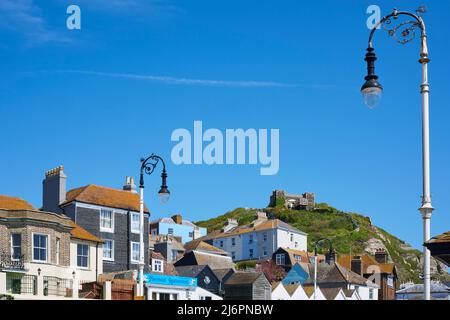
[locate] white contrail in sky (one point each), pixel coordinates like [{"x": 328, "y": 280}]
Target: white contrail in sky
[{"x": 193, "y": 82}]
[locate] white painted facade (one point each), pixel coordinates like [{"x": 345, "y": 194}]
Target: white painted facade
[
  {"x": 299, "y": 294},
  {"x": 340, "y": 296},
  {"x": 260, "y": 244},
  {"x": 280, "y": 293},
  {"x": 366, "y": 292},
  {"x": 291, "y": 240},
  {"x": 318, "y": 295},
  {"x": 95, "y": 261},
  {"x": 159, "y": 292}
]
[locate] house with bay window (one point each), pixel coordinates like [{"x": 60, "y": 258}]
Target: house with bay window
[
  {"x": 109, "y": 214},
  {"x": 46, "y": 248}
]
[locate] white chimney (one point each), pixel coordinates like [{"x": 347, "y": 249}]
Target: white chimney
[{"x": 129, "y": 185}]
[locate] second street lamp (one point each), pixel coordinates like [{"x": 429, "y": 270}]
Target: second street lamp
[
  {"x": 318, "y": 242},
  {"x": 148, "y": 166},
  {"x": 404, "y": 32}
]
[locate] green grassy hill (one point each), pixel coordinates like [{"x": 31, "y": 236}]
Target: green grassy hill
[{"x": 349, "y": 232}]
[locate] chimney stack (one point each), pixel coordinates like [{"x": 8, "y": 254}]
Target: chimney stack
[
  {"x": 129, "y": 185},
  {"x": 356, "y": 265},
  {"x": 381, "y": 256},
  {"x": 54, "y": 190},
  {"x": 330, "y": 256},
  {"x": 177, "y": 218},
  {"x": 261, "y": 217},
  {"x": 230, "y": 224}
]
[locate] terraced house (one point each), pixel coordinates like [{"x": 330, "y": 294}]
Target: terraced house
[
  {"x": 110, "y": 214},
  {"x": 41, "y": 253},
  {"x": 258, "y": 240}
]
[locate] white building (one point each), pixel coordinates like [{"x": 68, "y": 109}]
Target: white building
[
  {"x": 167, "y": 287},
  {"x": 279, "y": 292},
  {"x": 258, "y": 240}
]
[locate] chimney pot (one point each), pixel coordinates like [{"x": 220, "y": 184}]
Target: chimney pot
[{"x": 129, "y": 185}]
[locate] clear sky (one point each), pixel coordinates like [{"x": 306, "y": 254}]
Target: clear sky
[{"x": 92, "y": 100}]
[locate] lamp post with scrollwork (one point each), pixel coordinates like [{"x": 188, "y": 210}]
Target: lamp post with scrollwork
[
  {"x": 148, "y": 166},
  {"x": 405, "y": 32}
]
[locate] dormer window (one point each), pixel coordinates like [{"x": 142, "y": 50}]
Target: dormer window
[{"x": 157, "y": 265}]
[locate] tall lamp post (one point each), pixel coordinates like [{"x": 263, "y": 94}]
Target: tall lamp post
[
  {"x": 318, "y": 242},
  {"x": 148, "y": 166},
  {"x": 404, "y": 32}
]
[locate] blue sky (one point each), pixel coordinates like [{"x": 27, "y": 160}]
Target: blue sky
[{"x": 59, "y": 103}]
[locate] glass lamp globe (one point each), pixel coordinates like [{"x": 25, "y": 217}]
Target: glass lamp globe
[
  {"x": 371, "y": 91},
  {"x": 164, "y": 195},
  {"x": 372, "y": 96}
]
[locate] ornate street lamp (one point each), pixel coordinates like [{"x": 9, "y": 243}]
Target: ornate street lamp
[
  {"x": 148, "y": 166},
  {"x": 404, "y": 32}
]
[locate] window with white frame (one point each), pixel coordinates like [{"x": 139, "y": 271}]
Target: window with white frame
[
  {"x": 40, "y": 247},
  {"x": 170, "y": 231},
  {"x": 157, "y": 265},
  {"x": 279, "y": 259},
  {"x": 292, "y": 237},
  {"x": 106, "y": 220},
  {"x": 135, "y": 252},
  {"x": 264, "y": 251},
  {"x": 58, "y": 249},
  {"x": 250, "y": 238},
  {"x": 16, "y": 246},
  {"x": 135, "y": 222},
  {"x": 233, "y": 241},
  {"x": 233, "y": 255},
  {"x": 264, "y": 236},
  {"x": 251, "y": 253},
  {"x": 108, "y": 250},
  {"x": 370, "y": 294},
  {"x": 82, "y": 255}
]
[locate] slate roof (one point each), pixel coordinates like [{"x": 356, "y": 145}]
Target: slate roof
[
  {"x": 201, "y": 245},
  {"x": 348, "y": 292},
  {"x": 335, "y": 273},
  {"x": 330, "y": 293},
  {"x": 244, "y": 277},
  {"x": 14, "y": 203},
  {"x": 221, "y": 273},
  {"x": 436, "y": 287},
  {"x": 104, "y": 196},
  {"x": 189, "y": 271},
  {"x": 214, "y": 261}
]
